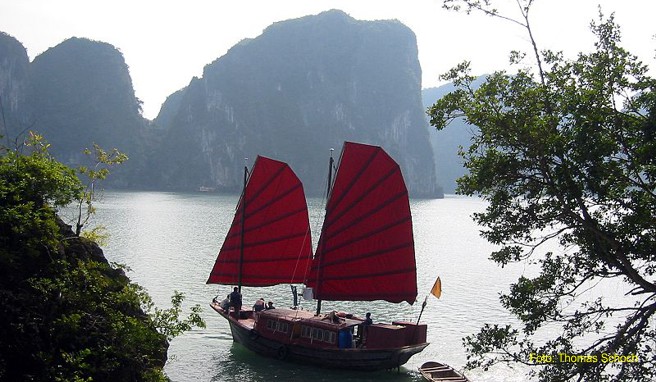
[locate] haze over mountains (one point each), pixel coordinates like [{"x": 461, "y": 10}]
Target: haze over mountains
[{"x": 301, "y": 88}]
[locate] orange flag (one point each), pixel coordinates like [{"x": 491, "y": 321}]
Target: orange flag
[{"x": 437, "y": 288}]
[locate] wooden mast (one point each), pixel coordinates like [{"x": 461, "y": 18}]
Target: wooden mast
[
  {"x": 330, "y": 176},
  {"x": 243, "y": 222}
]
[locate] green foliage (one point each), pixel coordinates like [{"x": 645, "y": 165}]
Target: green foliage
[
  {"x": 30, "y": 186},
  {"x": 567, "y": 157},
  {"x": 167, "y": 321},
  {"x": 100, "y": 171},
  {"x": 95, "y": 330},
  {"x": 66, "y": 314}
]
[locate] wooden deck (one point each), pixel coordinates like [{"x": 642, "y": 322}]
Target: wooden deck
[{"x": 248, "y": 322}]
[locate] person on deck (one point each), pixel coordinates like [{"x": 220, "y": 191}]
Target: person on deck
[
  {"x": 225, "y": 303},
  {"x": 366, "y": 323},
  {"x": 235, "y": 301},
  {"x": 270, "y": 305},
  {"x": 259, "y": 305}
]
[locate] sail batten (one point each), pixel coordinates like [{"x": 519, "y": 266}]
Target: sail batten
[
  {"x": 354, "y": 203},
  {"x": 370, "y": 214},
  {"x": 365, "y": 255},
  {"x": 272, "y": 244},
  {"x": 256, "y": 193},
  {"x": 270, "y": 221},
  {"x": 366, "y": 248},
  {"x": 369, "y": 276},
  {"x": 252, "y": 244},
  {"x": 365, "y": 236},
  {"x": 266, "y": 260},
  {"x": 265, "y": 206},
  {"x": 337, "y": 199}
]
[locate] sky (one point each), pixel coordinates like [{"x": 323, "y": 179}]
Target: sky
[{"x": 167, "y": 42}]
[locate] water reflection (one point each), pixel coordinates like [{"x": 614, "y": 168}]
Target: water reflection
[{"x": 242, "y": 365}]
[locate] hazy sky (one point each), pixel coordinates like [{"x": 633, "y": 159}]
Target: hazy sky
[{"x": 165, "y": 43}]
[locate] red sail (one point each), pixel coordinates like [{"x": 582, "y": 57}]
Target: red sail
[
  {"x": 366, "y": 249},
  {"x": 276, "y": 240}
]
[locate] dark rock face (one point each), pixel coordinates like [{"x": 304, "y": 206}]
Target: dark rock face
[
  {"x": 301, "y": 88},
  {"x": 447, "y": 142},
  {"x": 81, "y": 93},
  {"x": 14, "y": 81}
]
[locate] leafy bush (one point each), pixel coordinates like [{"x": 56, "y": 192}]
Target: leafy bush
[{"x": 66, "y": 314}]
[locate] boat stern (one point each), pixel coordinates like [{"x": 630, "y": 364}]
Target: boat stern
[{"x": 398, "y": 334}]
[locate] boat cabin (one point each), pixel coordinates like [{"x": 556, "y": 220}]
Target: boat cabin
[{"x": 334, "y": 330}]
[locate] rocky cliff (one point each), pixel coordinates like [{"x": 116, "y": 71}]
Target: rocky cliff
[
  {"x": 14, "y": 81},
  {"x": 447, "y": 142},
  {"x": 301, "y": 88},
  {"x": 81, "y": 93}
]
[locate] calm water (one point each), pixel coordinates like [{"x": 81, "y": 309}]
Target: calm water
[{"x": 170, "y": 241}]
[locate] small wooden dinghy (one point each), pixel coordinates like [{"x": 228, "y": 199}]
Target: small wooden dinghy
[{"x": 440, "y": 372}]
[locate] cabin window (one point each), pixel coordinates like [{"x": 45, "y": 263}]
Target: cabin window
[
  {"x": 317, "y": 334},
  {"x": 278, "y": 326},
  {"x": 329, "y": 337}
]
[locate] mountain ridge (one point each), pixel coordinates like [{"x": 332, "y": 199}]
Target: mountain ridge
[
  {"x": 329, "y": 76},
  {"x": 299, "y": 89}
]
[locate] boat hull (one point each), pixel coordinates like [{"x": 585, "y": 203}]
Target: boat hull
[
  {"x": 350, "y": 359},
  {"x": 440, "y": 372}
]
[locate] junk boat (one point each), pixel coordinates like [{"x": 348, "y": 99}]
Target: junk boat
[{"x": 365, "y": 253}]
